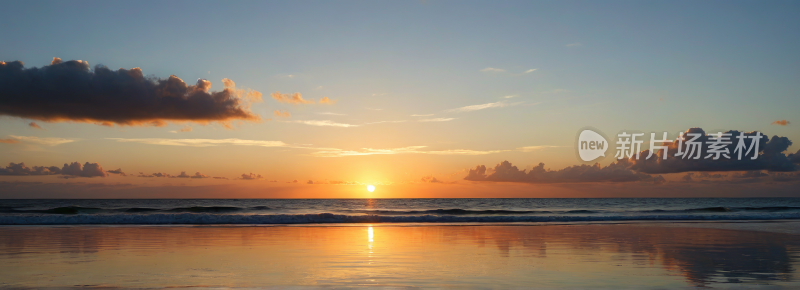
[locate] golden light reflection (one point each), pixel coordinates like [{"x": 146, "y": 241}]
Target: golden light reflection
[{"x": 553, "y": 256}]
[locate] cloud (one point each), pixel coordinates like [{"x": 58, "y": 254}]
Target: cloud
[
  {"x": 217, "y": 177},
  {"x": 426, "y": 115},
  {"x": 202, "y": 142},
  {"x": 430, "y": 179},
  {"x": 505, "y": 172},
  {"x": 324, "y": 123},
  {"x": 196, "y": 175},
  {"x": 21, "y": 169},
  {"x": 48, "y": 141},
  {"x": 332, "y": 114},
  {"x": 184, "y": 129},
  {"x": 333, "y": 152},
  {"x": 781, "y": 123},
  {"x": 9, "y": 141},
  {"x": 535, "y": 148},
  {"x": 329, "y": 123},
  {"x": 71, "y": 92},
  {"x": 492, "y": 70},
  {"x": 499, "y": 104},
  {"x": 282, "y": 114},
  {"x": 325, "y": 100},
  {"x": 117, "y": 171},
  {"x": 770, "y": 156},
  {"x": 250, "y": 176},
  {"x": 87, "y": 170},
  {"x": 34, "y": 125},
  {"x": 437, "y": 120},
  {"x": 295, "y": 98},
  {"x": 795, "y": 158},
  {"x": 574, "y": 44},
  {"x": 529, "y": 71},
  {"x": 157, "y": 174}
]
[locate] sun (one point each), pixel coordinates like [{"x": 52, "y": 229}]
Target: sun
[{"x": 370, "y": 188}]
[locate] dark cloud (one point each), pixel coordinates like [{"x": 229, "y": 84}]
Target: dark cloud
[
  {"x": 87, "y": 170},
  {"x": 658, "y": 180},
  {"x": 770, "y": 156},
  {"x": 71, "y": 91},
  {"x": 21, "y": 169},
  {"x": 430, "y": 179},
  {"x": 250, "y": 176},
  {"x": 34, "y": 125},
  {"x": 217, "y": 177},
  {"x": 614, "y": 172},
  {"x": 73, "y": 169},
  {"x": 117, "y": 171},
  {"x": 795, "y": 158},
  {"x": 196, "y": 175},
  {"x": 749, "y": 174},
  {"x": 157, "y": 174}
]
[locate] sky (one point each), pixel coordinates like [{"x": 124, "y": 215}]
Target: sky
[{"x": 409, "y": 96}]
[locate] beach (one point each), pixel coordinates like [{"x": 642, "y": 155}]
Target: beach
[{"x": 639, "y": 255}]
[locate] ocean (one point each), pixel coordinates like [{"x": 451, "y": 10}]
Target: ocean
[{"x": 341, "y": 211}]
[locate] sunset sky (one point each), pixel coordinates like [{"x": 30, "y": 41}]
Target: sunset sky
[{"x": 406, "y": 95}]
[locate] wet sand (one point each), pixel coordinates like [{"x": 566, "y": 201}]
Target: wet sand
[{"x": 597, "y": 256}]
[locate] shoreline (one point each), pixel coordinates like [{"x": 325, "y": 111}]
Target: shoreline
[{"x": 784, "y": 226}]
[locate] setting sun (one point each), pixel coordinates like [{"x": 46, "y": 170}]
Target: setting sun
[{"x": 370, "y": 188}]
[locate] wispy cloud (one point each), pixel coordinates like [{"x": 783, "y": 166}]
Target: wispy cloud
[
  {"x": 437, "y": 120},
  {"x": 536, "y": 148},
  {"x": 331, "y": 113},
  {"x": 574, "y": 44},
  {"x": 509, "y": 97},
  {"x": 499, "y": 104},
  {"x": 401, "y": 150},
  {"x": 329, "y": 123},
  {"x": 418, "y": 115},
  {"x": 323, "y": 123},
  {"x": 493, "y": 70},
  {"x": 781, "y": 123},
  {"x": 282, "y": 114},
  {"x": 295, "y": 98},
  {"x": 184, "y": 129},
  {"x": 201, "y": 142},
  {"x": 317, "y": 151},
  {"x": 529, "y": 71},
  {"x": 374, "y": 109},
  {"x": 9, "y": 141},
  {"x": 48, "y": 141}
]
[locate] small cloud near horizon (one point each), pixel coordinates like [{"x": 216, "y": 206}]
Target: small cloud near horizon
[
  {"x": 781, "y": 123},
  {"x": 493, "y": 70}
]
